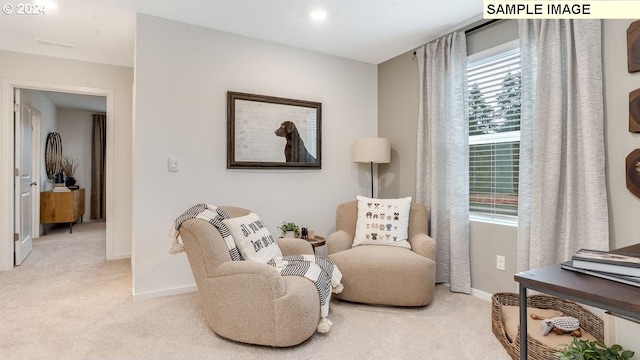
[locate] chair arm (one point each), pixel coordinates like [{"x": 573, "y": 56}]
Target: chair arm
[
  {"x": 249, "y": 274},
  {"x": 424, "y": 245},
  {"x": 338, "y": 241},
  {"x": 292, "y": 246}
]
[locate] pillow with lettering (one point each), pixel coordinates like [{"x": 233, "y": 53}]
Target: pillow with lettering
[
  {"x": 253, "y": 238},
  {"x": 382, "y": 222}
]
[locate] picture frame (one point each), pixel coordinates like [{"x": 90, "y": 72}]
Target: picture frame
[
  {"x": 632, "y": 170},
  {"x": 272, "y": 132},
  {"x": 634, "y": 111},
  {"x": 633, "y": 47}
]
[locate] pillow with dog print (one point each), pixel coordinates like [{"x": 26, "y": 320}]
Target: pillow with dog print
[
  {"x": 382, "y": 222},
  {"x": 253, "y": 238}
]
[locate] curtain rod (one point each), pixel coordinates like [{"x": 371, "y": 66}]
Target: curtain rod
[
  {"x": 485, "y": 24},
  {"x": 478, "y": 27}
]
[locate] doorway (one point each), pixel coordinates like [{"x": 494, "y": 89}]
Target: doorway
[{"x": 7, "y": 210}]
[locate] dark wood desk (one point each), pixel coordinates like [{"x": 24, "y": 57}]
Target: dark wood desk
[{"x": 585, "y": 289}]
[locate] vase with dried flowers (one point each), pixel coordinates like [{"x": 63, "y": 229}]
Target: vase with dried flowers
[{"x": 69, "y": 166}]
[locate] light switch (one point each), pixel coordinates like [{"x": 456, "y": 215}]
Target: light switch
[{"x": 172, "y": 164}]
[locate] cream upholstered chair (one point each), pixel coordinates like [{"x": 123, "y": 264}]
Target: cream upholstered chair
[
  {"x": 383, "y": 274},
  {"x": 248, "y": 301}
]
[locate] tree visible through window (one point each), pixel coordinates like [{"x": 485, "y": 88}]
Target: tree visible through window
[{"x": 494, "y": 133}]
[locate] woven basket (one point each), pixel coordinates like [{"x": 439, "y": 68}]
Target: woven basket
[{"x": 535, "y": 349}]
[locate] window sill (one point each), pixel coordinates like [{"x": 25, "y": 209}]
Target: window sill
[{"x": 494, "y": 219}]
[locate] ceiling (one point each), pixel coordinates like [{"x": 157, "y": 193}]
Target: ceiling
[
  {"x": 100, "y": 31},
  {"x": 371, "y": 31},
  {"x": 77, "y": 101}
]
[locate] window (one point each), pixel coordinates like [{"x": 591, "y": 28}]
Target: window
[{"x": 494, "y": 130}]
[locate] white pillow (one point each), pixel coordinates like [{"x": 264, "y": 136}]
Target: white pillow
[
  {"x": 382, "y": 222},
  {"x": 253, "y": 238}
]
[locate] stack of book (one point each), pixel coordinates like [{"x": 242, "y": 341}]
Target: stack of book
[
  {"x": 622, "y": 265},
  {"x": 59, "y": 187}
]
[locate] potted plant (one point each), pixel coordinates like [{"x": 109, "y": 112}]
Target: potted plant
[
  {"x": 69, "y": 166},
  {"x": 289, "y": 229},
  {"x": 593, "y": 350}
]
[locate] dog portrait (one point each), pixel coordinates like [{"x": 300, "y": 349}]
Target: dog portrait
[
  {"x": 294, "y": 149},
  {"x": 271, "y": 132}
]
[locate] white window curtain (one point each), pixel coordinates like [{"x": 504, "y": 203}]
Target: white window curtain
[
  {"x": 443, "y": 155},
  {"x": 562, "y": 192}
]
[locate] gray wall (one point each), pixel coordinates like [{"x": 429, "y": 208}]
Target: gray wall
[
  {"x": 624, "y": 207},
  {"x": 398, "y": 112},
  {"x": 398, "y": 120}
]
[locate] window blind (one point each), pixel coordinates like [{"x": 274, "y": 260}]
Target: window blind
[{"x": 494, "y": 133}]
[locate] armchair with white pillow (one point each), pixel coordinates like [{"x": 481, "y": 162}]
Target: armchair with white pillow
[
  {"x": 383, "y": 251},
  {"x": 248, "y": 300}
]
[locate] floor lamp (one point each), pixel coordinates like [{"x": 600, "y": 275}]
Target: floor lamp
[{"x": 372, "y": 150}]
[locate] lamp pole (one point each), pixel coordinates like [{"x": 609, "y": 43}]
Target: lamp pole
[
  {"x": 372, "y": 179},
  {"x": 372, "y": 150}
]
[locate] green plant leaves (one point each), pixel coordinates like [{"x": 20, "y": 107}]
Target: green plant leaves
[
  {"x": 289, "y": 226},
  {"x": 593, "y": 350}
]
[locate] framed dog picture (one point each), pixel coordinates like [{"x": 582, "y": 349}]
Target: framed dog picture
[{"x": 272, "y": 132}]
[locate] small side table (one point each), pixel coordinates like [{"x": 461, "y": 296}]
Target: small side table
[{"x": 316, "y": 242}]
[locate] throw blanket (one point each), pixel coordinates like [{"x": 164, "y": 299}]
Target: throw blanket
[
  {"x": 319, "y": 269},
  {"x": 214, "y": 216}
]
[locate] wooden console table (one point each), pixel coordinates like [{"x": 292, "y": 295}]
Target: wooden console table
[
  {"x": 589, "y": 290},
  {"x": 61, "y": 207}
]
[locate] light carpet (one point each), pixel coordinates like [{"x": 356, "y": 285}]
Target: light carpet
[{"x": 66, "y": 302}]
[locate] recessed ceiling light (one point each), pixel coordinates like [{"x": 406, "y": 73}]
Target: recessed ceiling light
[{"x": 318, "y": 15}]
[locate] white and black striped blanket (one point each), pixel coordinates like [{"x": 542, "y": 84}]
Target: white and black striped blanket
[
  {"x": 319, "y": 269},
  {"x": 214, "y": 216}
]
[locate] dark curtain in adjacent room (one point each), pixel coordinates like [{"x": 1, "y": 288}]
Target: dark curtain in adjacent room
[{"x": 98, "y": 150}]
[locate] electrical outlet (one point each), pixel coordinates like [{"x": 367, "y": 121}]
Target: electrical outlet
[{"x": 500, "y": 262}]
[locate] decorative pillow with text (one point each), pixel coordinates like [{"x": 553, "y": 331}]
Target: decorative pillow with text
[
  {"x": 382, "y": 222},
  {"x": 253, "y": 238}
]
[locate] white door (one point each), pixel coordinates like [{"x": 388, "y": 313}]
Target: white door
[{"x": 23, "y": 183}]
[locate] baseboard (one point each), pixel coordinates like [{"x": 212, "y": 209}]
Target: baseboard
[
  {"x": 481, "y": 294},
  {"x": 191, "y": 288},
  {"x": 474, "y": 292},
  {"x": 166, "y": 292},
  {"x": 120, "y": 256}
]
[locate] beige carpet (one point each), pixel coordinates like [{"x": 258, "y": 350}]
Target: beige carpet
[{"x": 67, "y": 302}]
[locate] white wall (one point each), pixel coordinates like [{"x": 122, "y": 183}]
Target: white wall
[
  {"x": 25, "y": 68},
  {"x": 75, "y": 128},
  {"x": 182, "y": 75}
]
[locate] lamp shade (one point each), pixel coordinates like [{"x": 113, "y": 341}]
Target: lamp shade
[{"x": 372, "y": 150}]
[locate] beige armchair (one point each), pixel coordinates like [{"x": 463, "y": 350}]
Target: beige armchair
[
  {"x": 248, "y": 301},
  {"x": 382, "y": 274}
]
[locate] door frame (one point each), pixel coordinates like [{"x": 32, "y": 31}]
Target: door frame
[{"x": 7, "y": 148}]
